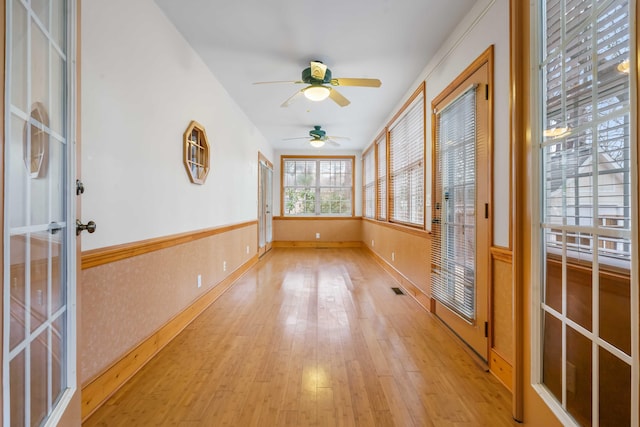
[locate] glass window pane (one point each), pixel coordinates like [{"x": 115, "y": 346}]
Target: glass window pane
[
  {"x": 614, "y": 391},
  {"x": 579, "y": 378},
  {"x": 552, "y": 355},
  {"x": 615, "y": 295}
]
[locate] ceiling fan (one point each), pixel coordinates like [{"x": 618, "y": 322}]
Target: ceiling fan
[
  {"x": 319, "y": 137},
  {"x": 318, "y": 78}
]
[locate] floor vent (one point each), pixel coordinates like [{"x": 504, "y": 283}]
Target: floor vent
[{"x": 398, "y": 291}]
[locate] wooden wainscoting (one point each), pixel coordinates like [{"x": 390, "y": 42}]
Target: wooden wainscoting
[
  {"x": 405, "y": 253},
  {"x": 501, "y": 345},
  {"x": 302, "y": 232},
  {"x": 135, "y": 303}
]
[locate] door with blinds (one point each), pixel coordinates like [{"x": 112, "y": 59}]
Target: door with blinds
[{"x": 461, "y": 226}]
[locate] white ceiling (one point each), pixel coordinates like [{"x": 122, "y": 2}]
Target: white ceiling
[{"x": 247, "y": 41}]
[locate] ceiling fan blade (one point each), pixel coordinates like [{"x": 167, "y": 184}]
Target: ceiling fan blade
[
  {"x": 344, "y": 138},
  {"x": 332, "y": 142},
  {"x": 338, "y": 98},
  {"x": 279, "y": 81},
  {"x": 356, "y": 82},
  {"x": 291, "y": 99},
  {"x": 318, "y": 70},
  {"x": 293, "y": 139}
]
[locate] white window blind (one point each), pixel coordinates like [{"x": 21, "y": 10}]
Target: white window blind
[
  {"x": 369, "y": 191},
  {"x": 586, "y": 224},
  {"x": 322, "y": 186},
  {"x": 453, "y": 274},
  {"x": 381, "y": 148},
  {"x": 406, "y": 165}
]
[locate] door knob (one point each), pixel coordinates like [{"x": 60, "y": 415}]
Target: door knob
[{"x": 80, "y": 227}]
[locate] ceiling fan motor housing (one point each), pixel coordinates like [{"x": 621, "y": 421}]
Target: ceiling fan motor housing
[
  {"x": 309, "y": 79},
  {"x": 316, "y": 132}
]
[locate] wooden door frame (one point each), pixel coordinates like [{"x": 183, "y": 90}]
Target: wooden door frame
[
  {"x": 486, "y": 58},
  {"x": 267, "y": 245}
]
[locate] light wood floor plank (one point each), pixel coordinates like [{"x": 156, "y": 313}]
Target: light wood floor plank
[{"x": 311, "y": 337}]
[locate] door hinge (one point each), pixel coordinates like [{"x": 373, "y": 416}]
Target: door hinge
[
  {"x": 486, "y": 210},
  {"x": 486, "y": 329},
  {"x": 486, "y": 92}
]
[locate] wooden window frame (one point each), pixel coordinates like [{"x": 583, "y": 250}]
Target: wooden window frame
[
  {"x": 420, "y": 91},
  {"x": 385, "y": 133},
  {"x": 196, "y": 152},
  {"x": 371, "y": 151},
  {"x": 317, "y": 159}
]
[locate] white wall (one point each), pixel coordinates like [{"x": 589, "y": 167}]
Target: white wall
[
  {"x": 486, "y": 23},
  {"x": 141, "y": 86},
  {"x": 357, "y": 170}
]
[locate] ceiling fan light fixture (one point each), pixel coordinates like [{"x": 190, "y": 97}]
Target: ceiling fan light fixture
[
  {"x": 317, "y": 93},
  {"x": 317, "y": 143}
]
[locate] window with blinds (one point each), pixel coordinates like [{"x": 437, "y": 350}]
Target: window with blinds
[
  {"x": 406, "y": 164},
  {"x": 381, "y": 149},
  {"x": 454, "y": 263},
  {"x": 586, "y": 223},
  {"x": 317, "y": 186},
  {"x": 369, "y": 182}
]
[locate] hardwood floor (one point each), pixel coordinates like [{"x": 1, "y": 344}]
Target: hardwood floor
[{"x": 311, "y": 337}]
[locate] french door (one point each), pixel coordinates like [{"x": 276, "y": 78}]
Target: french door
[
  {"x": 265, "y": 195},
  {"x": 38, "y": 355}
]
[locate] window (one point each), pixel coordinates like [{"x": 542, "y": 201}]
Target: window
[
  {"x": 369, "y": 190},
  {"x": 317, "y": 186},
  {"x": 406, "y": 163},
  {"x": 587, "y": 239},
  {"x": 381, "y": 149},
  {"x": 196, "y": 153}
]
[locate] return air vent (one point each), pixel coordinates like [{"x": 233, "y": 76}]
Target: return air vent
[{"x": 398, "y": 291}]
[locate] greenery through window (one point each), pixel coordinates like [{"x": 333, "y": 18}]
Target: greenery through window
[{"x": 317, "y": 186}]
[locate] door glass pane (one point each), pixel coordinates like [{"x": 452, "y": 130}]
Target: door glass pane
[
  {"x": 57, "y": 92},
  {"x": 18, "y": 175},
  {"x": 58, "y": 383},
  {"x": 39, "y": 375},
  {"x": 55, "y": 181},
  {"x": 269, "y": 196},
  {"x": 39, "y": 67},
  {"x": 58, "y": 278},
  {"x": 39, "y": 249},
  {"x": 19, "y": 56},
  {"x": 41, "y": 9},
  {"x": 17, "y": 280},
  {"x": 17, "y": 390},
  {"x": 58, "y": 27}
]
